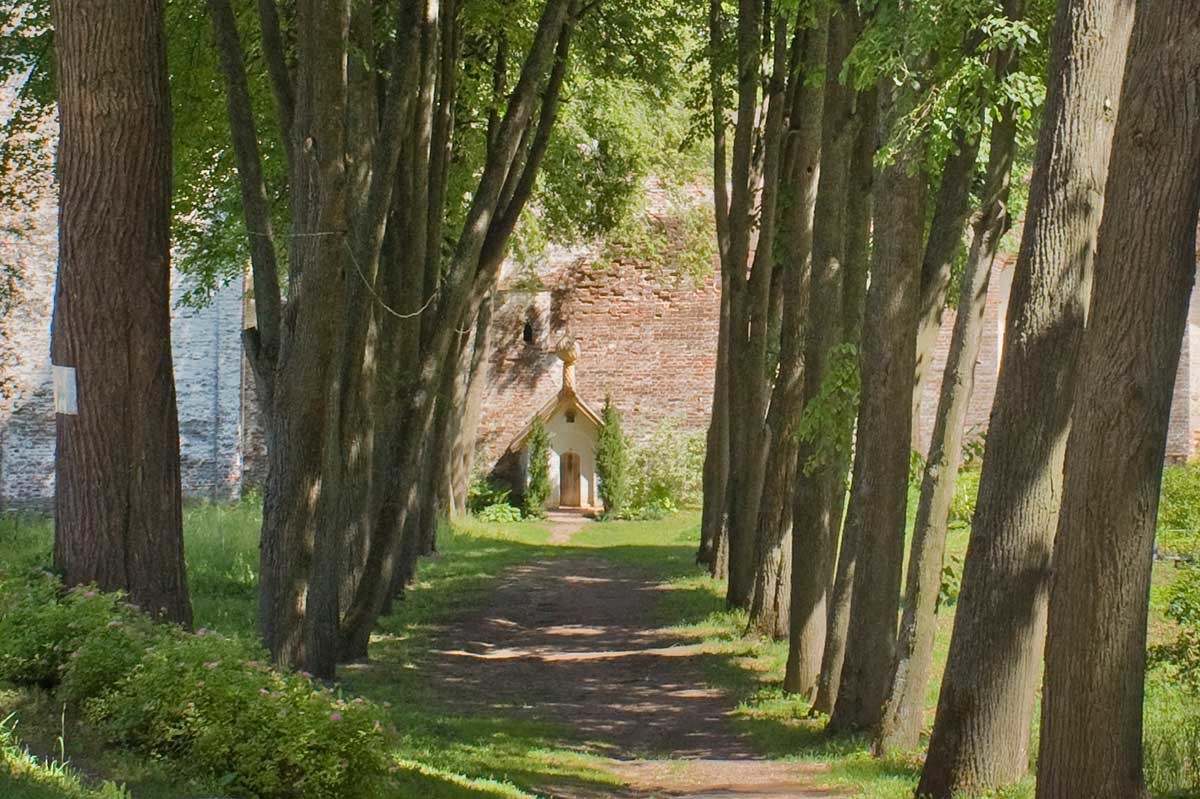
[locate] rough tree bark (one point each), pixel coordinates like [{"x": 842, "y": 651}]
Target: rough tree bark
[
  {"x": 753, "y": 225},
  {"x": 878, "y": 493},
  {"x": 904, "y": 713},
  {"x": 981, "y": 735},
  {"x": 769, "y": 609},
  {"x": 1091, "y": 735},
  {"x": 118, "y": 513},
  {"x": 815, "y": 519},
  {"x": 858, "y": 254},
  {"x": 466, "y": 430}
]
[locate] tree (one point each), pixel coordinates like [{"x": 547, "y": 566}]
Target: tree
[
  {"x": 349, "y": 387},
  {"x": 878, "y": 493},
  {"x": 903, "y": 714},
  {"x": 816, "y": 484},
  {"x": 747, "y": 206},
  {"x": 537, "y": 487},
  {"x": 612, "y": 460},
  {"x": 118, "y": 513},
  {"x": 826, "y": 648},
  {"x": 1091, "y": 735},
  {"x": 770, "y": 607},
  {"x": 475, "y": 368},
  {"x": 981, "y": 735}
]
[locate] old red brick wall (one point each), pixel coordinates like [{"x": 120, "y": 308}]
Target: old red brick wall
[{"x": 647, "y": 338}]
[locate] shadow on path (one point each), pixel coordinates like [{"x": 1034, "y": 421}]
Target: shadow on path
[{"x": 572, "y": 641}]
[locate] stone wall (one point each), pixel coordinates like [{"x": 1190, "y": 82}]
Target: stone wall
[{"x": 206, "y": 349}]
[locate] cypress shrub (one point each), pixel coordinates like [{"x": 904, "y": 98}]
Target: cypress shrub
[
  {"x": 538, "y": 490},
  {"x": 612, "y": 461}
]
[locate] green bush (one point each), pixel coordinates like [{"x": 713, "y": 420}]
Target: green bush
[
  {"x": 205, "y": 703},
  {"x": 655, "y": 509},
  {"x": 484, "y": 493},
  {"x": 537, "y": 491},
  {"x": 499, "y": 513},
  {"x": 41, "y": 627},
  {"x": 612, "y": 460},
  {"x": 210, "y": 705},
  {"x": 1180, "y": 659},
  {"x": 966, "y": 490},
  {"x": 105, "y": 656},
  {"x": 951, "y": 583},
  {"x": 667, "y": 472},
  {"x": 1179, "y": 510}
]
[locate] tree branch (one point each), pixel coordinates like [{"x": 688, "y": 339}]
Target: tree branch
[
  {"x": 507, "y": 216},
  {"x": 257, "y": 209},
  {"x": 281, "y": 79}
]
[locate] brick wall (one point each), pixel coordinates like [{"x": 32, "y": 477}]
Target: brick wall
[
  {"x": 646, "y": 337},
  {"x": 987, "y": 367}
]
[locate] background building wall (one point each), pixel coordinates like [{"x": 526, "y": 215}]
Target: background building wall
[
  {"x": 206, "y": 350},
  {"x": 646, "y": 338}
]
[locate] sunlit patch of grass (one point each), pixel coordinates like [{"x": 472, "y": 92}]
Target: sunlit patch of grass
[{"x": 24, "y": 775}]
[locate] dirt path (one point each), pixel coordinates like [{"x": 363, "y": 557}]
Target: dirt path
[
  {"x": 564, "y": 524},
  {"x": 574, "y": 641}
]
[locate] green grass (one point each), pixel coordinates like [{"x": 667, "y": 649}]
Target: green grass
[
  {"x": 26, "y": 776},
  {"x": 444, "y": 754}
]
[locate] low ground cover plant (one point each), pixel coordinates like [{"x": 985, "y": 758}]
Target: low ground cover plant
[{"x": 205, "y": 703}]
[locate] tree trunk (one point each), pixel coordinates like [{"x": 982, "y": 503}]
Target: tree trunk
[
  {"x": 295, "y": 496},
  {"x": 981, "y": 735},
  {"x": 118, "y": 513},
  {"x": 878, "y": 493},
  {"x": 716, "y": 454},
  {"x": 854, "y": 289},
  {"x": 1091, "y": 735},
  {"x": 348, "y": 381},
  {"x": 950, "y": 212},
  {"x": 751, "y": 302},
  {"x": 904, "y": 713},
  {"x": 504, "y": 188},
  {"x": 462, "y": 461},
  {"x": 769, "y": 610},
  {"x": 815, "y": 520}
]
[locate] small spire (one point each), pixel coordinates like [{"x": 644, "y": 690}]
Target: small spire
[{"x": 568, "y": 350}]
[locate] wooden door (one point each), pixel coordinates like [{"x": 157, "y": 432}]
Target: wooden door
[{"x": 568, "y": 480}]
